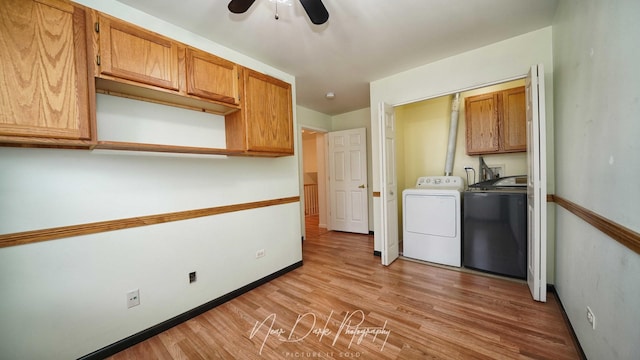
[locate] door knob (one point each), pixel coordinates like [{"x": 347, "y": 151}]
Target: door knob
[{"x": 361, "y": 186}]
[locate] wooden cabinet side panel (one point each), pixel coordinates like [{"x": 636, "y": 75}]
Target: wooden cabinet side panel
[
  {"x": 236, "y": 123},
  {"x": 131, "y": 53},
  {"x": 514, "y": 120},
  {"x": 43, "y": 70},
  {"x": 235, "y": 130},
  {"x": 270, "y": 125},
  {"x": 211, "y": 77},
  {"x": 481, "y": 118}
]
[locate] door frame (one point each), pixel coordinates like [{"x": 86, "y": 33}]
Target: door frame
[
  {"x": 388, "y": 189},
  {"x": 324, "y": 132},
  {"x": 379, "y": 140},
  {"x": 536, "y": 183}
]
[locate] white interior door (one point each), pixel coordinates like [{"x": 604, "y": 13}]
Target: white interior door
[
  {"x": 349, "y": 204},
  {"x": 389, "y": 191},
  {"x": 536, "y": 185}
]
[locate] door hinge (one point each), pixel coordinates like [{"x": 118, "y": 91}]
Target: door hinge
[
  {"x": 98, "y": 60},
  {"x": 97, "y": 27}
]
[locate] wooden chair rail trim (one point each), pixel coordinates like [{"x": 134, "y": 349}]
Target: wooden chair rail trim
[
  {"x": 28, "y": 237},
  {"x": 621, "y": 234}
]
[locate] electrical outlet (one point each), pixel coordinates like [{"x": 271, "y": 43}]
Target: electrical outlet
[
  {"x": 498, "y": 170},
  {"x": 133, "y": 298},
  {"x": 192, "y": 277},
  {"x": 260, "y": 253},
  {"x": 591, "y": 318}
]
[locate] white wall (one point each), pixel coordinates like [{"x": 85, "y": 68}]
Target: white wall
[
  {"x": 499, "y": 62},
  {"x": 65, "y": 298},
  {"x": 312, "y": 119},
  {"x": 597, "y": 82},
  {"x": 352, "y": 120}
]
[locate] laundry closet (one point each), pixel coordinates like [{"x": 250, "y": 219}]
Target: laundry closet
[{"x": 422, "y": 134}]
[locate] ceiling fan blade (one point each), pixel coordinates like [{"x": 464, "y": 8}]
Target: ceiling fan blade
[
  {"x": 240, "y": 6},
  {"x": 315, "y": 9}
]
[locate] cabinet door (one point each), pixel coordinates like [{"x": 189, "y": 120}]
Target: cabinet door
[
  {"x": 268, "y": 114},
  {"x": 211, "y": 77},
  {"x": 481, "y": 115},
  {"x": 514, "y": 120},
  {"x": 43, "y": 70},
  {"x": 132, "y": 53}
]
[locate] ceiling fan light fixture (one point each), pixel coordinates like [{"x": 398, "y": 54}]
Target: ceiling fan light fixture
[
  {"x": 315, "y": 9},
  {"x": 280, "y": 2},
  {"x": 283, "y": 2}
]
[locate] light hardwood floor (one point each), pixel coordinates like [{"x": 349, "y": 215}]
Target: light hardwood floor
[{"x": 343, "y": 304}]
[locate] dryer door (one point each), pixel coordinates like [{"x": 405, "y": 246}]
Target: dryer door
[{"x": 431, "y": 214}]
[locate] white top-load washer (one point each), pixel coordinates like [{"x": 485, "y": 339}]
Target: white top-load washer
[{"x": 432, "y": 220}]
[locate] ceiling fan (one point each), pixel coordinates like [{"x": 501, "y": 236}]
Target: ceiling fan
[{"x": 315, "y": 9}]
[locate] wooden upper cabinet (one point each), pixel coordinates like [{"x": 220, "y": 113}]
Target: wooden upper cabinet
[
  {"x": 496, "y": 122},
  {"x": 211, "y": 77},
  {"x": 268, "y": 108},
  {"x": 131, "y": 53},
  {"x": 264, "y": 125},
  {"x": 481, "y": 116},
  {"x": 140, "y": 64},
  {"x": 44, "y": 89},
  {"x": 514, "y": 120}
]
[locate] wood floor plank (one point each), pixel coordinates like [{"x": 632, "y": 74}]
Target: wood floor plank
[{"x": 343, "y": 303}]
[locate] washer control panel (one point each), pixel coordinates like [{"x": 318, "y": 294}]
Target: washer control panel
[{"x": 440, "y": 182}]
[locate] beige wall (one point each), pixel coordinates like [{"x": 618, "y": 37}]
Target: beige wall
[
  {"x": 424, "y": 127},
  {"x": 422, "y": 138},
  {"x": 310, "y": 162}
]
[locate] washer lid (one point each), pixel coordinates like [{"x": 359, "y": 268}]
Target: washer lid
[{"x": 515, "y": 182}]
